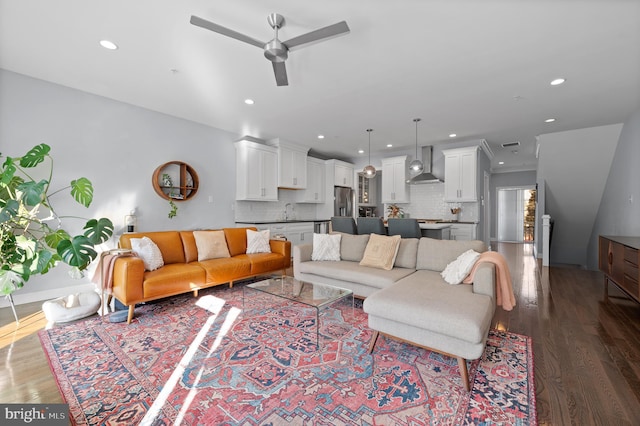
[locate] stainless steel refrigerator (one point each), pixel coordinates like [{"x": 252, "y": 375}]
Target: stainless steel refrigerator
[{"x": 343, "y": 201}]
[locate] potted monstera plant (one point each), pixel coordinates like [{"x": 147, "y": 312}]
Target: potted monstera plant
[{"x": 32, "y": 238}]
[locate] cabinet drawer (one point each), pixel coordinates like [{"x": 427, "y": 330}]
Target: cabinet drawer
[
  {"x": 631, "y": 255},
  {"x": 630, "y": 270},
  {"x": 630, "y": 284}
]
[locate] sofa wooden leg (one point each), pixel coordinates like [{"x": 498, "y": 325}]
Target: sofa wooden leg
[
  {"x": 462, "y": 364},
  {"x": 195, "y": 293},
  {"x": 374, "y": 339},
  {"x": 132, "y": 308},
  {"x": 230, "y": 284}
]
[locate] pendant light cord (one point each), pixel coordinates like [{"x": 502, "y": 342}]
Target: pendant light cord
[
  {"x": 369, "y": 131},
  {"x": 416, "y": 120}
]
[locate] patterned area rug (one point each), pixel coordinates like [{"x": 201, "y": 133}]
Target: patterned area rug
[{"x": 204, "y": 360}]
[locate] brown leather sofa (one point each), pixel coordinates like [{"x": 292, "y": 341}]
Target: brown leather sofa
[{"x": 182, "y": 272}]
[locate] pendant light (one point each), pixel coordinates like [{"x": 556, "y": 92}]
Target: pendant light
[
  {"x": 369, "y": 171},
  {"x": 416, "y": 165}
]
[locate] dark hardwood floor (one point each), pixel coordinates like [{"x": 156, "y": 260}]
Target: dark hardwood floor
[{"x": 586, "y": 350}]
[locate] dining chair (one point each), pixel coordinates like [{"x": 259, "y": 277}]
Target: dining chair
[
  {"x": 371, "y": 225},
  {"x": 344, "y": 224},
  {"x": 406, "y": 228}
]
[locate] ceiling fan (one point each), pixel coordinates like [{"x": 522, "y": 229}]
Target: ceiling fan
[{"x": 275, "y": 50}]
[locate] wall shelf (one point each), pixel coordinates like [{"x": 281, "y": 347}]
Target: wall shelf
[{"x": 184, "y": 177}]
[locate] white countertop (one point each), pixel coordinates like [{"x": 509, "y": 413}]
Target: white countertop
[{"x": 434, "y": 225}]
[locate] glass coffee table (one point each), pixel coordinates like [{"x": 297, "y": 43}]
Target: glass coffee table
[{"x": 317, "y": 296}]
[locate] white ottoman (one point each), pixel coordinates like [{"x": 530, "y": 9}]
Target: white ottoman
[{"x": 72, "y": 307}]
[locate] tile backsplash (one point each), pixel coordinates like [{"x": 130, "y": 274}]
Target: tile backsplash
[
  {"x": 250, "y": 211},
  {"x": 427, "y": 202}
]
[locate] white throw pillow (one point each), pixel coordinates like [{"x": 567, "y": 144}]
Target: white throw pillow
[
  {"x": 326, "y": 247},
  {"x": 457, "y": 270},
  {"x": 258, "y": 241},
  {"x": 148, "y": 251}
]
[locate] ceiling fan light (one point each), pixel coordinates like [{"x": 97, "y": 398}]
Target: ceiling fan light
[{"x": 416, "y": 166}]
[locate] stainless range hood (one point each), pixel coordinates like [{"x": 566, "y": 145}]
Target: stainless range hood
[{"x": 425, "y": 176}]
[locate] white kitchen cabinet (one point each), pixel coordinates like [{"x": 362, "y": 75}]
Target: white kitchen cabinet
[
  {"x": 394, "y": 180},
  {"x": 300, "y": 233},
  {"x": 314, "y": 193},
  {"x": 463, "y": 231},
  {"x": 460, "y": 174},
  {"x": 342, "y": 173},
  {"x": 296, "y": 232},
  {"x": 256, "y": 171},
  {"x": 292, "y": 164}
]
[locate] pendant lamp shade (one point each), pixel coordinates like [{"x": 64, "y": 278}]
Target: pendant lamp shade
[
  {"x": 369, "y": 171},
  {"x": 416, "y": 165}
]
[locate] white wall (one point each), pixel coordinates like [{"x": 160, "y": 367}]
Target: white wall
[
  {"x": 619, "y": 211},
  {"x": 574, "y": 165},
  {"x": 117, "y": 146}
]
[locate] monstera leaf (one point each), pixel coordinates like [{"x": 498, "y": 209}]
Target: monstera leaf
[
  {"x": 32, "y": 238},
  {"x": 82, "y": 191},
  {"x": 77, "y": 252},
  {"x": 98, "y": 231}
]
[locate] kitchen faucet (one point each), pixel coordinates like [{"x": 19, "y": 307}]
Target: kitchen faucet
[{"x": 286, "y": 215}]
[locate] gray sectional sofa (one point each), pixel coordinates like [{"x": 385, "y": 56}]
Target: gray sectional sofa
[{"x": 412, "y": 302}]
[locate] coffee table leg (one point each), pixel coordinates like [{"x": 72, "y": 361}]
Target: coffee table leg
[{"x": 317, "y": 328}]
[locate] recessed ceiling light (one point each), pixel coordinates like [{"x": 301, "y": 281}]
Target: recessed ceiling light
[
  {"x": 108, "y": 44},
  {"x": 558, "y": 81},
  {"x": 320, "y": 136},
  {"x": 361, "y": 151},
  {"x": 452, "y": 135},
  {"x": 249, "y": 101},
  {"x": 500, "y": 162},
  {"x": 549, "y": 120},
  {"x": 389, "y": 145}
]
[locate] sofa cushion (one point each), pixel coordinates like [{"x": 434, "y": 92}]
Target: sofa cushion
[
  {"x": 227, "y": 269},
  {"x": 169, "y": 243},
  {"x": 435, "y": 255},
  {"x": 347, "y": 271},
  {"x": 326, "y": 247},
  {"x": 425, "y": 300},
  {"x": 237, "y": 240},
  {"x": 172, "y": 279},
  {"x": 262, "y": 263},
  {"x": 258, "y": 241},
  {"x": 407, "y": 253},
  {"x": 148, "y": 251},
  {"x": 211, "y": 245},
  {"x": 352, "y": 246},
  {"x": 381, "y": 251}
]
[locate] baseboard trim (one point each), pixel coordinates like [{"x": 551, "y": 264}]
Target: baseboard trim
[{"x": 40, "y": 296}]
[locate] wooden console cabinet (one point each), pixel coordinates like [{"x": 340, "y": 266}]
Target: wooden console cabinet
[{"x": 618, "y": 259}]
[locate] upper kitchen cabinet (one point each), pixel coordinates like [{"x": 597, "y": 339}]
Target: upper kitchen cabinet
[
  {"x": 394, "y": 180},
  {"x": 315, "y": 183},
  {"x": 460, "y": 174},
  {"x": 256, "y": 171},
  {"x": 343, "y": 173},
  {"x": 292, "y": 164}
]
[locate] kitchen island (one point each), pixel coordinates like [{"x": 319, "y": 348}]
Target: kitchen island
[{"x": 439, "y": 231}]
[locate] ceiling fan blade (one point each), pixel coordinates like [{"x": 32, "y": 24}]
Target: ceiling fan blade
[
  {"x": 280, "y": 71},
  {"x": 203, "y": 23},
  {"x": 322, "y": 33}
]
